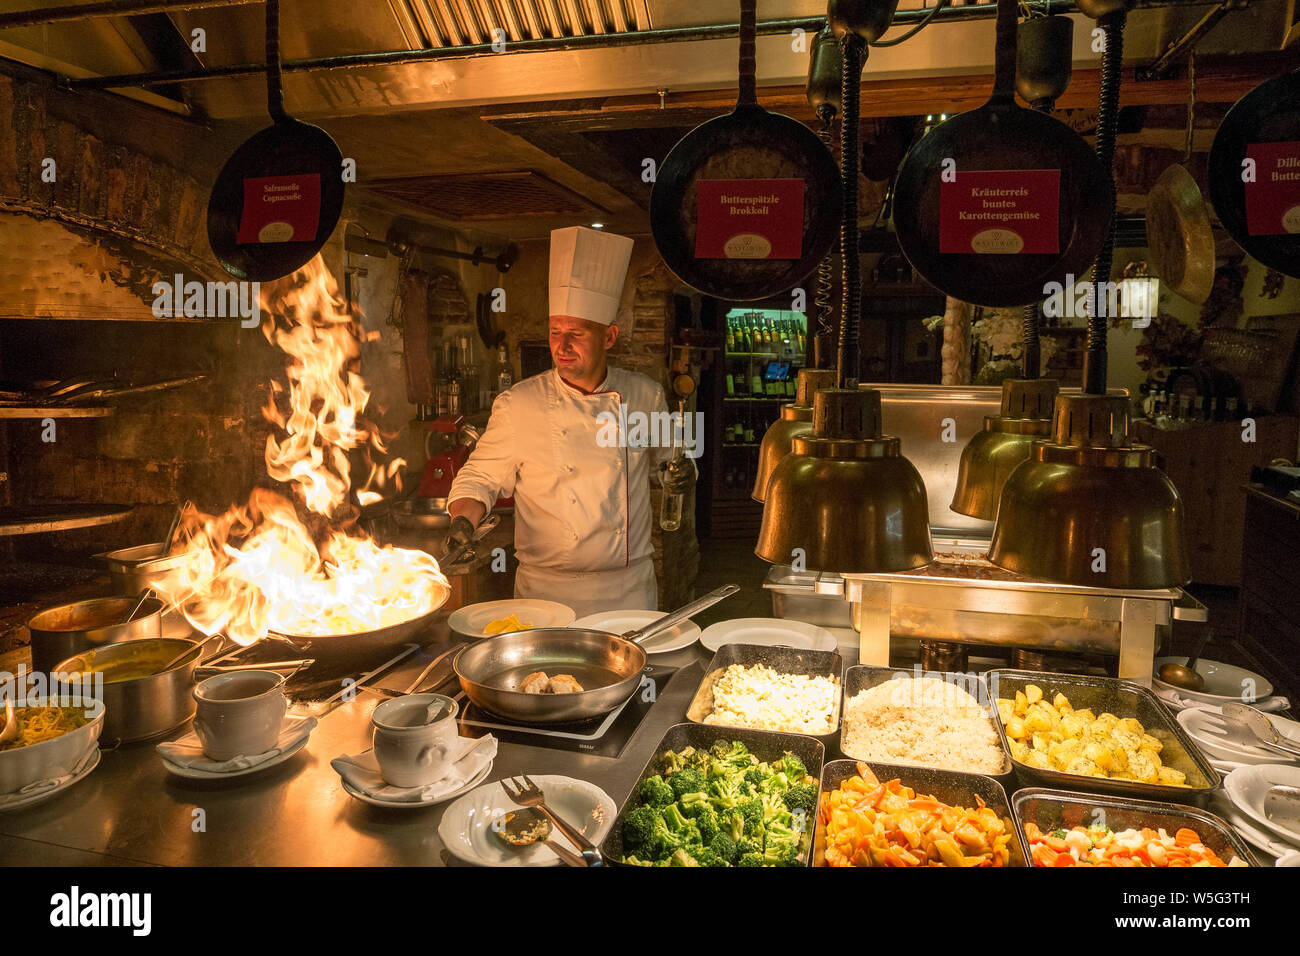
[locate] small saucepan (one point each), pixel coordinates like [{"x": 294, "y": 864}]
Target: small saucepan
[{"x": 607, "y": 665}]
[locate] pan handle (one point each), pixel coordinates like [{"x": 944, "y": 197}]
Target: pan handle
[
  {"x": 274, "y": 87},
  {"x": 748, "y": 93},
  {"x": 681, "y": 614}
]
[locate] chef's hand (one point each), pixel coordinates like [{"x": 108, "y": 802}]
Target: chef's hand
[
  {"x": 679, "y": 475},
  {"x": 462, "y": 532}
]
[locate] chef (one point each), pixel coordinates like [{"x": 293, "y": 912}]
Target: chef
[{"x": 559, "y": 443}]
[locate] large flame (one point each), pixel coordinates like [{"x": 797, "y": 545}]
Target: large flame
[{"x": 259, "y": 568}]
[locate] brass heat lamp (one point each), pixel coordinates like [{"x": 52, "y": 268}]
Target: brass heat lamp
[
  {"x": 845, "y": 499},
  {"x": 993, "y": 454},
  {"x": 1089, "y": 508},
  {"x": 795, "y": 420}
]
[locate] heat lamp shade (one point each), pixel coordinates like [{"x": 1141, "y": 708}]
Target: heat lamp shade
[
  {"x": 795, "y": 421},
  {"x": 1091, "y": 524},
  {"x": 988, "y": 460},
  {"x": 857, "y": 515}
]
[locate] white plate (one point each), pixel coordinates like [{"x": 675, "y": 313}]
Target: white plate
[
  {"x": 413, "y": 804},
  {"x": 466, "y": 827},
  {"x": 1246, "y": 787},
  {"x": 1224, "y": 683},
  {"x": 193, "y": 773},
  {"x": 1264, "y": 842},
  {"x": 1198, "y": 727},
  {"x": 471, "y": 619},
  {"x": 620, "y": 622},
  {"x": 768, "y": 631},
  {"x": 42, "y": 795}
]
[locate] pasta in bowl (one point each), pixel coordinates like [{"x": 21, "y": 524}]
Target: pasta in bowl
[{"x": 53, "y": 737}]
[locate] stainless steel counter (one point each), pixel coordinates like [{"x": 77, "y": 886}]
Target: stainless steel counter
[{"x": 132, "y": 810}]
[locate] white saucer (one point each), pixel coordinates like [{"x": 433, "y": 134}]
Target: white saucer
[
  {"x": 193, "y": 774},
  {"x": 768, "y": 631},
  {"x": 414, "y": 804},
  {"x": 620, "y": 622},
  {"x": 471, "y": 619},
  {"x": 466, "y": 824},
  {"x": 41, "y": 796}
]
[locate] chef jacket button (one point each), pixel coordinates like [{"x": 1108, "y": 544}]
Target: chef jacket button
[{"x": 618, "y": 531}]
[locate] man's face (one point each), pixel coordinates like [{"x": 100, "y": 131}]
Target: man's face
[{"x": 578, "y": 346}]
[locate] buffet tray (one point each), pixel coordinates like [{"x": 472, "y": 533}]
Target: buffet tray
[
  {"x": 784, "y": 660},
  {"x": 950, "y": 786},
  {"x": 764, "y": 745},
  {"x": 862, "y": 677},
  {"x": 1061, "y": 809},
  {"x": 1123, "y": 699}
]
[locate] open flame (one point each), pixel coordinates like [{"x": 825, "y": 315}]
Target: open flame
[{"x": 259, "y": 568}]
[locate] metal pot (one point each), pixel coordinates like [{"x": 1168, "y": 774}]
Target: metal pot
[
  {"x": 607, "y": 665},
  {"x": 138, "y": 708},
  {"x": 60, "y": 632},
  {"x": 133, "y": 570}
]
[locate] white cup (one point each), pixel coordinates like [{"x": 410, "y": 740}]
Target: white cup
[
  {"x": 240, "y": 712},
  {"x": 411, "y": 751}
]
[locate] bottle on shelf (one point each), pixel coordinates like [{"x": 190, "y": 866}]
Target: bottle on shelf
[
  {"x": 731, "y": 334},
  {"x": 451, "y": 381},
  {"x": 731, "y": 385}
]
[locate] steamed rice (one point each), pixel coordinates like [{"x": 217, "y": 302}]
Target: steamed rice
[{"x": 921, "y": 720}]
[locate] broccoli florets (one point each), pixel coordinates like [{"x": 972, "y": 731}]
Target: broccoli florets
[
  {"x": 734, "y": 824},
  {"x": 655, "y": 792},
  {"x": 672, "y": 815},
  {"x": 752, "y": 859},
  {"x": 800, "y": 797},
  {"x": 751, "y": 811},
  {"x": 781, "y": 847},
  {"x": 792, "y": 767},
  {"x": 707, "y": 822},
  {"x": 725, "y": 793},
  {"x": 755, "y": 776},
  {"x": 723, "y": 847},
  {"x": 682, "y": 858},
  {"x": 744, "y": 847},
  {"x": 638, "y": 828},
  {"x": 693, "y": 804},
  {"x": 686, "y": 781}
]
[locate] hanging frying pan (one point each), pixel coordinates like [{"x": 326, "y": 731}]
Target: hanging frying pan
[
  {"x": 1179, "y": 237},
  {"x": 278, "y": 198},
  {"x": 1263, "y": 216},
  {"x": 977, "y": 249},
  {"x": 720, "y": 180}
]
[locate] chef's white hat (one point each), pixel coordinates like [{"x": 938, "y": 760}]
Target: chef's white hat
[{"x": 588, "y": 268}]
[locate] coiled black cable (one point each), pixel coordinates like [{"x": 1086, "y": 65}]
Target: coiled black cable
[
  {"x": 825, "y": 308},
  {"x": 853, "y": 51},
  {"x": 1112, "y": 62}
]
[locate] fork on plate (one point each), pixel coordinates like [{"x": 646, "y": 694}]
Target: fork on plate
[{"x": 525, "y": 793}]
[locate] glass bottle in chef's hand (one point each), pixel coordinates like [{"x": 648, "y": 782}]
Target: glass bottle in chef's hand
[
  {"x": 568, "y": 446},
  {"x": 679, "y": 476}
]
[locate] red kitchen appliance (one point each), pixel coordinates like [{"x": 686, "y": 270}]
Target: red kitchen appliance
[{"x": 450, "y": 440}]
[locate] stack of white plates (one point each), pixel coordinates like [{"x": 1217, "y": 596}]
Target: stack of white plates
[
  {"x": 1224, "y": 684},
  {"x": 1242, "y": 804}
]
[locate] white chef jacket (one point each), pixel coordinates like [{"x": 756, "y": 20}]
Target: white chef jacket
[{"x": 582, "y": 495}]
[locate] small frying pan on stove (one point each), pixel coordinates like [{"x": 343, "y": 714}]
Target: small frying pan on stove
[
  {"x": 749, "y": 143},
  {"x": 1262, "y": 216},
  {"x": 278, "y": 198},
  {"x": 1002, "y": 136}
]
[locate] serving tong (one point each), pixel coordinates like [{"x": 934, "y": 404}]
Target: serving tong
[{"x": 1247, "y": 727}]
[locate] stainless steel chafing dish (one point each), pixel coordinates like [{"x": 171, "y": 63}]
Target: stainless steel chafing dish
[{"x": 961, "y": 597}]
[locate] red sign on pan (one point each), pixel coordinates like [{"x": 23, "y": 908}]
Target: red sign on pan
[
  {"x": 749, "y": 219},
  {"x": 280, "y": 209},
  {"x": 1000, "y": 211},
  {"x": 1273, "y": 197}
]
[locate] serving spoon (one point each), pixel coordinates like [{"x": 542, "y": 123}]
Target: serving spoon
[
  {"x": 1186, "y": 675},
  {"x": 521, "y": 828}
]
